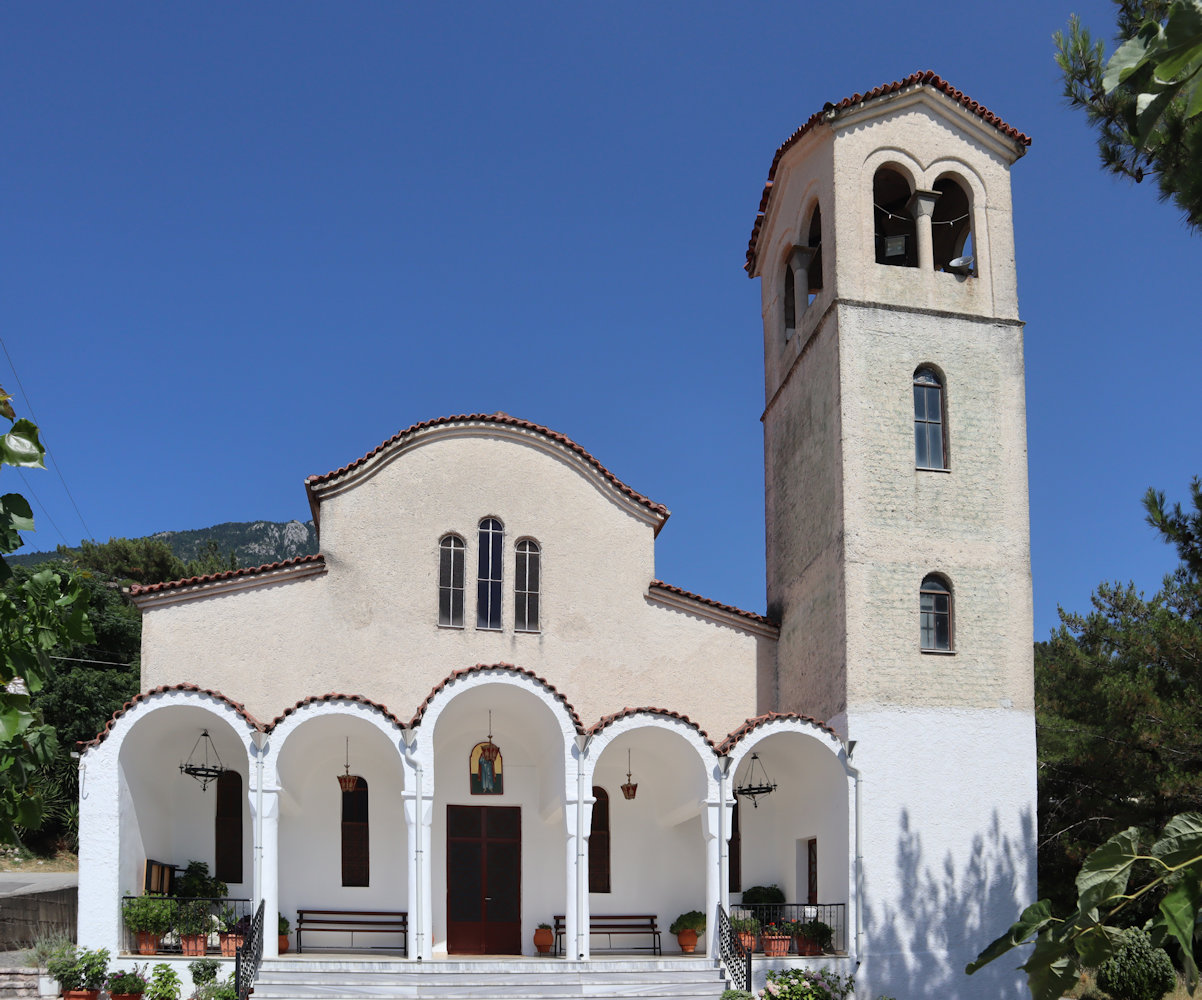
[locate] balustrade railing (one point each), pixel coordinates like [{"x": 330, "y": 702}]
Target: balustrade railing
[
  {"x": 735, "y": 957},
  {"x": 764, "y": 915},
  {"x": 249, "y": 955},
  {"x": 189, "y": 925}
]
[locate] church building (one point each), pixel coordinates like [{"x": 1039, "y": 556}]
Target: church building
[{"x": 479, "y": 705}]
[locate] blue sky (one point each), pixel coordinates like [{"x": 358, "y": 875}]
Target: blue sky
[{"x": 241, "y": 244}]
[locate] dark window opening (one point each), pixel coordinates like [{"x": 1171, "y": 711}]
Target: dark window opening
[
  {"x": 951, "y": 227},
  {"x": 228, "y": 851},
  {"x": 814, "y": 272},
  {"x": 734, "y": 865},
  {"x": 598, "y": 843},
  {"x": 935, "y": 615},
  {"x": 812, "y": 871},
  {"x": 790, "y": 300},
  {"x": 355, "y": 866},
  {"x": 450, "y": 581},
  {"x": 893, "y": 222},
  {"x": 488, "y": 577},
  {"x": 526, "y": 586}
]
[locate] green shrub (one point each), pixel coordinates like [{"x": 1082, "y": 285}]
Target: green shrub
[
  {"x": 745, "y": 925},
  {"x": 818, "y": 932},
  {"x": 78, "y": 968},
  {"x": 203, "y": 970},
  {"x": 736, "y": 995},
  {"x": 1137, "y": 971},
  {"x": 694, "y": 920},
  {"x": 758, "y": 894},
  {"x": 45, "y": 945},
  {"x": 164, "y": 983},
  {"x": 284, "y": 925},
  {"x": 131, "y": 981},
  {"x": 148, "y": 914},
  {"x": 194, "y": 918},
  {"x": 196, "y": 881}
]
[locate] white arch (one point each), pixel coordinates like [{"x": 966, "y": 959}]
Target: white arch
[
  {"x": 352, "y": 708},
  {"x": 707, "y": 756}
]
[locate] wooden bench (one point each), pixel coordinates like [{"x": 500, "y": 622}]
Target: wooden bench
[
  {"x": 353, "y": 922},
  {"x": 642, "y": 924}
]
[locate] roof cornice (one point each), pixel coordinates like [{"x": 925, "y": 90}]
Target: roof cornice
[
  {"x": 720, "y": 614},
  {"x": 154, "y": 595}
]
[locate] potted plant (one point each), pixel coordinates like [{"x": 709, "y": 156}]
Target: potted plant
[
  {"x": 776, "y": 938},
  {"x": 233, "y": 931},
  {"x": 164, "y": 983},
  {"x": 766, "y": 902},
  {"x": 686, "y": 927},
  {"x": 746, "y": 928},
  {"x": 204, "y": 975},
  {"x": 193, "y": 923},
  {"x": 284, "y": 927},
  {"x": 543, "y": 938},
  {"x": 148, "y": 918},
  {"x": 196, "y": 882},
  {"x": 80, "y": 972},
  {"x": 123, "y": 985},
  {"x": 813, "y": 936}
]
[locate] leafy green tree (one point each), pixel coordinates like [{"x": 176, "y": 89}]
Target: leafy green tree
[
  {"x": 1144, "y": 101},
  {"x": 1182, "y": 528},
  {"x": 145, "y": 560},
  {"x": 36, "y": 615}
]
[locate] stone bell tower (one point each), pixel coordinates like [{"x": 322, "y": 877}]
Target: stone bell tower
[{"x": 896, "y": 493}]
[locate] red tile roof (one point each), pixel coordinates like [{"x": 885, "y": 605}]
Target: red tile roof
[
  {"x": 728, "y": 744},
  {"x": 505, "y": 420},
  {"x": 660, "y": 585},
  {"x": 143, "y": 696},
  {"x": 506, "y": 667},
  {"x": 334, "y": 696},
  {"x": 608, "y": 720},
  {"x": 925, "y": 78},
  {"x": 153, "y": 588}
]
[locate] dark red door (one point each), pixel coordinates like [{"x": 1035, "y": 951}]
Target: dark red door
[{"x": 484, "y": 880}]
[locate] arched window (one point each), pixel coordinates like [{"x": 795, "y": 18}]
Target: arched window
[
  {"x": 525, "y": 586},
  {"x": 450, "y": 581},
  {"x": 935, "y": 615},
  {"x": 790, "y": 300},
  {"x": 930, "y": 442},
  {"x": 951, "y": 226},
  {"x": 814, "y": 239},
  {"x": 355, "y": 858},
  {"x": 228, "y": 850},
  {"x": 488, "y": 577},
  {"x": 598, "y": 843},
  {"x": 896, "y": 231}
]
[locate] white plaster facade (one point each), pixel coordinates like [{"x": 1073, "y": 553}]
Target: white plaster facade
[{"x": 919, "y": 786}]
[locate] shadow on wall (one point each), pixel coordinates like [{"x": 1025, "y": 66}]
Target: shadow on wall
[{"x": 948, "y": 916}]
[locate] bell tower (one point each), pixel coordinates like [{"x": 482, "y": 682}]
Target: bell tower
[{"x": 898, "y": 558}]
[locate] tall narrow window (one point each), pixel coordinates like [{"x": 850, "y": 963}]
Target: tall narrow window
[
  {"x": 355, "y": 867},
  {"x": 598, "y": 843},
  {"x": 790, "y": 300},
  {"x": 734, "y": 857},
  {"x": 930, "y": 451},
  {"x": 935, "y": 615},
  {"x": 525, "y": 586},
  {"x": 450, "y": 581},
  {"x": 228, "y": 850},
  {"x": 488, "y": 579},
  {"x": 812, "y": 871}
]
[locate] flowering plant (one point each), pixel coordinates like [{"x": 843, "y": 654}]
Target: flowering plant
[
  {"x": 807, "y": 984},
  {"x": 777, "y": 929},
  {"x": 127, "y": 981}
]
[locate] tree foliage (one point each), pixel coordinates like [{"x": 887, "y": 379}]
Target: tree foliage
[
  {"x": 36, "y": 615},
  {"x": 1144, "y": 101},
  {"x": 145, "y": 560}
]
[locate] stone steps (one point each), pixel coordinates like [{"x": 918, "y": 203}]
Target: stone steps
[{"x": 608, "y": 979}]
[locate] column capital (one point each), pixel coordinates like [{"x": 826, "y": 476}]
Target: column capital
[{"x": 922, "y": 203}]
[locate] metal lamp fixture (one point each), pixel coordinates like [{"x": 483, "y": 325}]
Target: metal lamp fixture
[
  {"x": 490, "y": 751},
  {"x": 630, "y": 789},
  {"x": 199, "y": 765},
  {"x": 346, "y": 780},
  {"x": 752, "y": 789}
]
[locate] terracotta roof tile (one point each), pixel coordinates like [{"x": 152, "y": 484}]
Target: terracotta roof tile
[
  {"x": 923, "y": 78},
  {"x": 154, "y": 588},
  {"x": 608, "y": 720},
  {"x": 660, "y": 585},
  {"x": 334, "y": 696},
  {"x": 506, "y": 667},
  {"x": 143, "y": 696},
  {"x": 506, "y": 420},
  {"x": 728, "y": 744}
]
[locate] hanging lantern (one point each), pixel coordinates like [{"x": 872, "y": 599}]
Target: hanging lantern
[
  {"x": 630, "y": 789},
  {"x": 490, "y": 751},
  {"x": 751, "y": 788},
  {"x": 199, "y": 765},
  {"x": 346, "y": 780}
]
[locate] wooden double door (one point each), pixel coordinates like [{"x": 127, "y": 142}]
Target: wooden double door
[{"x": 484, "y": 880}]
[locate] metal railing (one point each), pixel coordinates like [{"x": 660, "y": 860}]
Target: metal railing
[
  {"x": 834, "y": 915},
  {"x": 735, "y": 957},
  {"x": 197, "y": 925},
  {"x": 249, "y": 955}
]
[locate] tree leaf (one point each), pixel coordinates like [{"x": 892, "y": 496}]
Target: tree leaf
[
  {"x": 1129, "y": 56},
  {"x": 21, "y": 447},
  {"x": 1105, "y": 873},
  {"x": 1179, "y": 915},
  {"x": 1051, "y": 971},
  {"x": 1033, "y": 919},
  {"x": 1181, "y": 840},
  {"x": 17, "y": 507}
]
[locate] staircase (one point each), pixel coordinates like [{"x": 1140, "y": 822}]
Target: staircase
[{"x": 517, "y": 979}]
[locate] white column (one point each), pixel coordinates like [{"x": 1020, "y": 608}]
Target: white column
[
  {"x": 570, "y": 906},
  {"x": 800, "y": 262},
  {"x": 419, "y": 817},
  {"x": 922, "y": 207},
  {"x": 269, "y": 837},
  {"x": 711, "y": 818}
]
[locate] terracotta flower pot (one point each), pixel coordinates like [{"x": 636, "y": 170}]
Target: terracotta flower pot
[
  {"x": 776, "y": 945},
  {"x": 283, "y": 943},
  {"x": 805, "y": 946},
  {"x": 230, "y": 943},
  {"x": 80, "y": 994},
  {"x": 687, "y": 939},
  {"x": 148, "y": 943},
  {"x": 747, "y": 940},
  {"x": 543, "y": 939},
  {"x": 193, "y": 945},
  {"x": 124, "y": 996}
]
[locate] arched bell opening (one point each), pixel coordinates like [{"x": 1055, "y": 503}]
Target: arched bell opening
[{"x": 895, "y": 231}]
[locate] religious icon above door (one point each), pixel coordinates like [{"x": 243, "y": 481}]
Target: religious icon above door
[{"x": 486, "y": 771}]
